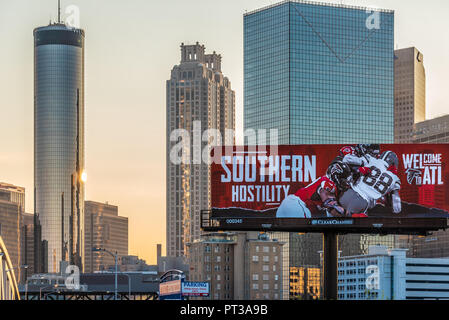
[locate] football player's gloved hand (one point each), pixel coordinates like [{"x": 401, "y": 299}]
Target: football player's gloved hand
[
  {"x": 332, "y": 204},
  {"x": 365, "y": 170}
]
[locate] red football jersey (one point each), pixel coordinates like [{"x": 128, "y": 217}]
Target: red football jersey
[{"x": 310, "y": 194}]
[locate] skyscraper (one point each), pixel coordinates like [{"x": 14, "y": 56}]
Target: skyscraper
[
  {"x": 319, "y": 73},
  {"x": 198, "y": 96},
  {"x": 59, "y": 141},
  {"x": 104, "y": 228},
  {"x": 409, "y": 93}
]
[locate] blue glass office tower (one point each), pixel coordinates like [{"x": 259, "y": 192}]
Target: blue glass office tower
[
  {"x": 59, "y": 143},
  {"x": 320, "y": 73}
]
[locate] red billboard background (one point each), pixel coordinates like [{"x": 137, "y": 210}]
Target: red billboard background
[{"x": 423, "y": 171}]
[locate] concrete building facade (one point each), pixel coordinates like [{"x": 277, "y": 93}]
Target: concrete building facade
[
  {"x": 389, "y": 275},
  {"x": 10, "y": 225},
  {"x": 432, "y": 131},
  {"x": 12, "y": 193},
  {"x": 238, "y": 266},
  {"x": 12, "y": 206}
]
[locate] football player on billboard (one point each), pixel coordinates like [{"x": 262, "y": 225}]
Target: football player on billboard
[
  {"x": 337, "y": 170},
  {"x": 341, "y": 174},
  {"x": 378, "y": 180},
  {"x": 344, "y": 173},
  {"x": 309, "y": 201},
  {"x": 367, "y": 149}
]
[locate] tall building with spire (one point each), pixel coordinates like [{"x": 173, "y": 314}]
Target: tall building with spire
[
  {"x": 59, "y": 142},
  {"x": 198, "y": 96}
]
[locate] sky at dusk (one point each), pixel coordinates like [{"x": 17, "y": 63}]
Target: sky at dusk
[{"x": 130, "y": 48}]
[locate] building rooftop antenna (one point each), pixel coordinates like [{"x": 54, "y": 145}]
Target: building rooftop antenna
[{"x": 59, "y": 11}]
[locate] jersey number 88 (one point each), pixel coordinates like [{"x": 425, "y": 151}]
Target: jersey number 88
[{"x": 381, "y": 182}]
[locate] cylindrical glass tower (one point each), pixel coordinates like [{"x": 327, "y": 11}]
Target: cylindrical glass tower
[{"x": 59, "y": 143}]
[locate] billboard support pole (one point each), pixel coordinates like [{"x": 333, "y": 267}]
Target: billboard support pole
[{"x": 330, "y": 264}]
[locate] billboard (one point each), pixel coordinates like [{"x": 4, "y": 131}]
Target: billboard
[
  {"x": 170, "y": 290},
  {"x": 199, "y": 289},
  {"x": 337, "y": 183}
]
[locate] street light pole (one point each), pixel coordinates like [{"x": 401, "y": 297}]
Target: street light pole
[
  {"x": 116, "y": 266},
  {"x": 116, "y": 275}
]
